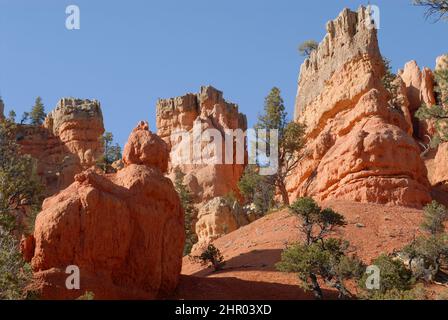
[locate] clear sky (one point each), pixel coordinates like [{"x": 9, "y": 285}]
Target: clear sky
[{"x": 128, "y": 54}]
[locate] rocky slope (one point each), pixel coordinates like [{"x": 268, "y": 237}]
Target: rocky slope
[
  {"x": 124, "y": 231},
  {"x": 68, "y": 142},
  {"x": 357, "y": 140},
  {"x": 208, "y": 176},
  {"x": 252, "y": 251}
]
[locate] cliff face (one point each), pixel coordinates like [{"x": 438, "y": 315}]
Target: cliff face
[
  {"x": 207, "y": 177},
  {"x": 68, "y": 142},
  {"x": 437, "y": 160},
  {"x": 357, "y": 140}
]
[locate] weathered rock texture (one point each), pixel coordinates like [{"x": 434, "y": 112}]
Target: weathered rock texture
[
  {"x": 437, "y": 160},
  {"x": 124, "y": 231},
  {"x": 419, "y": 89},
  {"x": 217, "y": 218},
  {"x": 68, "y": 142},
  {"x": 359, "y": 146},
  {"x": 208, "y": 178}
]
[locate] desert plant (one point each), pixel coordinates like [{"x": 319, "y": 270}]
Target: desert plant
[
  {"x": 435, "y": 215},
  {"x": 210, "y": 255},
  {"x": 327, "y": 259},
  {"x": 88, "y": 295},
  {"x": 190, "y": 211},
  {"x": 427, "y": 253},
  {"x": 435, "y": 8},
  {"x": 112, "y": 153},
  {"x": 438, "y": 113},
  {"x": 20, "y": 187},
  {"x": 319, "y": 256},
  {"x": 257, "y": 189},
  {"x": 37, "y": 114},
  {"x": 395, "y": 279},
  {"x": 15, "y": 274},
  {"x": 290, "y": 140},
  {"x": 308, "y": 46},
  {"x": 316, "y": 223}
]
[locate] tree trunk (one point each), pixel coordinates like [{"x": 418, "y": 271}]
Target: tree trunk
[
  {"x": 316, "y": 288},
  {"x": 284, "y": 193}
]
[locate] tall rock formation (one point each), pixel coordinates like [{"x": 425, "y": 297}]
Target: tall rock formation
[
  {"x": 68, "y": 142},
  {"x": 124, "y": 231},
  {"x": 188, "y": 124},
  {"x": 437, "y": 160},
  {"x": 419, "y": 89},
  {"x": 359, "y": 146}
]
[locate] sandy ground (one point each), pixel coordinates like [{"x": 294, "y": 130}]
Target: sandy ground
[{"x": 252, "y": 252}]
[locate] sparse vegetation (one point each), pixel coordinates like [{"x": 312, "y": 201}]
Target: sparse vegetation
[
  {"x": 434, "y": 8},
  {"x": 290, "y": 140},
  {"x": 20, "y": 186},
  {"x": 426, "y": 254},
  {"x": 318, "y": 256},
  {"x": 257, "y": 190},
  {"x": 15, "y": 274},
  {"x": 210, "y": 255},
  {"x": 190, "y": 211},
  {"x": 37, "y": 114},
  {"x": 308, "y": 46},
  {"x": 395, "y": 279},
  {"x": 88, "y": 295},
  {"x": 20, "y": 201},
  {"x": 439, "y": 112},
  {"x": 111, "y": 153},
  {"x": 389, "y": 84}
]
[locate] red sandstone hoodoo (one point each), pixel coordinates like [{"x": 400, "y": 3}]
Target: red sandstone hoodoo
[{"x": 124, "y": 231}]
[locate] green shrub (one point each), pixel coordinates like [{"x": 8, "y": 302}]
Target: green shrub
[
  {"x": 15, "y": 274},
  {"x": 210, "y": 255},
  {"x": 394, "y": 277}
]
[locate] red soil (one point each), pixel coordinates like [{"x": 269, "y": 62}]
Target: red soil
[{"x": 252, "y": 252}]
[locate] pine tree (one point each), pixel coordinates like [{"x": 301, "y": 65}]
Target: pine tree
[
  {"x": 290, "y": 139},
  {"x": 37, "y": 114},
  {"x": 111, "y": 153},
  {"x": 319, "y": 257},
  {"x": 190, "y": 212}
]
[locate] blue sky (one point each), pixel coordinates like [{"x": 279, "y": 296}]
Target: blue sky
[{"x": 128, "y": 54}]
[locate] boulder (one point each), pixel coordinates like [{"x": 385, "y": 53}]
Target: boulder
[{"x": 217, "y": 218}]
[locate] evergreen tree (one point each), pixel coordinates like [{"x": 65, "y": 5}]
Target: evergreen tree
[
  {"x": 257, "y": 189},
  {"x": 12, "y": 116},
  {"x": 20, "y": 191},
  {"x": 319, "y": 256},
  {"x": 290, "y": 139},
  {"x": 439, "y": 112},
  {"x": 190, "y": 211},
  {"x": 111, "y": 153},
  {"x": 19, "y": 183},
  {"x": 37, "y": 114}
]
